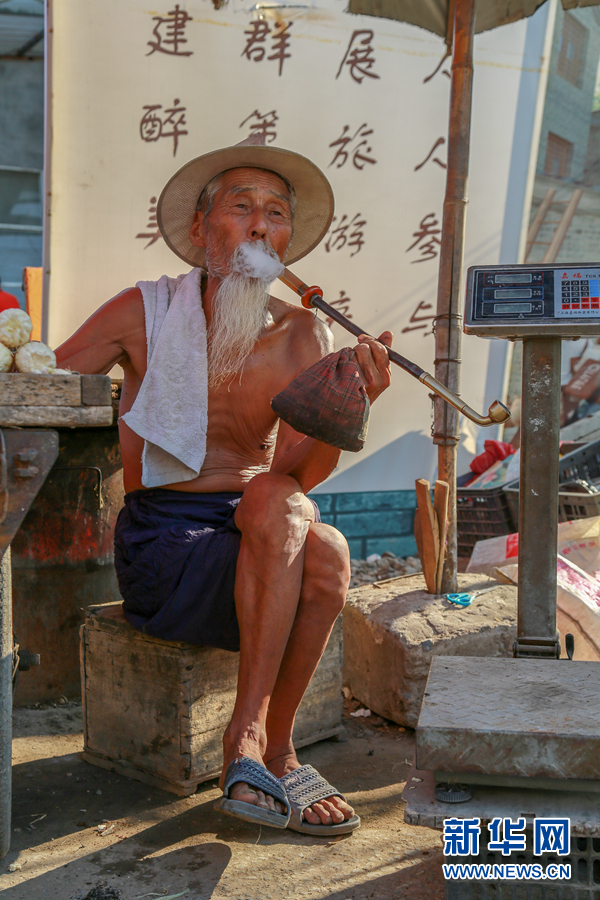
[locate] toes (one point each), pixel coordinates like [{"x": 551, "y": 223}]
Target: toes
[
  {"x": 263, "y": 800},
  {"x": 322, "y": 812},
  {"x": 341, "y": 806},
  {"x": 311, "y": 817},
  {"x": 335, "y": 814}
]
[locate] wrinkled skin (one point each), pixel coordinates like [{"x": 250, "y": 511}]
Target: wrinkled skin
[{"x": 292, "y": 574}]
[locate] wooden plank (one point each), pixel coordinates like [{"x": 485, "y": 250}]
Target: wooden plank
[
  {"x": 440, "y": 504},
  {"x": 32, "y": 280},
  {"x": 21, "y": 389},
  {"x": 419, "y": 535},
  {"x": 56, "y": 416},
  {"x": 96, "y": 390},
  {"x": 430, "y": 533}
]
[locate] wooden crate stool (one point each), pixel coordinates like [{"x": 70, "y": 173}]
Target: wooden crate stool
[{"x": 156, "y": 710}]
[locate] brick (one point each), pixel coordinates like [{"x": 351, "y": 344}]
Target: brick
[
  {"x": 376, "y": 500},
  {"x": 323, "y": 501},
  {"x": 371, "y": 524},
  {"x": 401, "y": 546},
  {"x": 356, "y": 548}
]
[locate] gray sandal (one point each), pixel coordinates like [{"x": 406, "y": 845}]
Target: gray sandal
[
  {"x": 303, "y": 787},
  {"x": 256, "y": 776}
]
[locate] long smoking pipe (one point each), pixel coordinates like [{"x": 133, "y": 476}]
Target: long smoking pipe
[{"x": 312, "y": 297}]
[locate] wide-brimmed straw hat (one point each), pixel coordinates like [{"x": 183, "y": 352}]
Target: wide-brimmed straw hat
[{"x": 179, "y": 198}]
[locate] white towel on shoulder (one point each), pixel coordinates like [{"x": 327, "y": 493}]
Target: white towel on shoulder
[{"x": 171, "y": 409}]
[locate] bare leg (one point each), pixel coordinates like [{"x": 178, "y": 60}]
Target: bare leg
[
  {"x": 274, "y": 517},
  {"x": 326, "y": 576}
]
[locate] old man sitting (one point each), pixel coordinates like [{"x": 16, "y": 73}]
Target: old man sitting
[{"x": 217, "y": 543}]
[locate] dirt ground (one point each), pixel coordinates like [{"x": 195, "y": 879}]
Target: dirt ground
[{"x": 156, "y": 845}]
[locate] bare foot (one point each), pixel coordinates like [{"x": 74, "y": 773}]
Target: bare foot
[
  {"x": 242, "y": 791},
  {"x": 332, "y": 811}
]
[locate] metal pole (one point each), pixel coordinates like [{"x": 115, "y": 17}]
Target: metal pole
[
  {"x": 448, "y": 319},
  {"x": 538, "y": 495},
  {"x": 6, "y": 653}
]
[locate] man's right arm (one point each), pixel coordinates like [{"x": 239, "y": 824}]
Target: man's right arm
[{"x": 111, "y": 336}]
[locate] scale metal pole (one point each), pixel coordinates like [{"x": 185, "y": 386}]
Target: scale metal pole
[{"x": 538, "y": 498}]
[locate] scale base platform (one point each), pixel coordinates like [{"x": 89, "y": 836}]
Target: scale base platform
[
  {"x": 422, "y": 807},
  {"x": 516, "y": 718}
]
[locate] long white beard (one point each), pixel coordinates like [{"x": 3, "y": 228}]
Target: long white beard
[{"x": 240, "y": 313}]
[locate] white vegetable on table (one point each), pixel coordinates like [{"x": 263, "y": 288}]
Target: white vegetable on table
[
  {"x": 35, "y": 358},
  {"x": 6, "y": 359},
  {"x": 15, "y": 328}
]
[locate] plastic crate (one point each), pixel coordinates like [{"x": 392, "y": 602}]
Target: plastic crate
[
  {"x": 583, "y": 463},
  {"x": 571, "y": 505},
  {"x": 481, "y": 513}
]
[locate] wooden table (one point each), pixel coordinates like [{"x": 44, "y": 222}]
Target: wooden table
[{"x": 31, "y": 407}]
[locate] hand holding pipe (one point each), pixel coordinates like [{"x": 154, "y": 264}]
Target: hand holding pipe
[{"x": 312, "y": 297}]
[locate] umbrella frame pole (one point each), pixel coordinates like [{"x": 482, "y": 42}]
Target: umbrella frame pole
[{"x": 448, "y": 320}]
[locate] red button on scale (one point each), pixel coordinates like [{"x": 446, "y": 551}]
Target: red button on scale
[
  {"x": 566, "y": 306},
  {"x": 585, "y": 298}
]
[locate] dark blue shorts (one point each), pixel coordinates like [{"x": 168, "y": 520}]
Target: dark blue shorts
[{"x": 176, "y": 555}]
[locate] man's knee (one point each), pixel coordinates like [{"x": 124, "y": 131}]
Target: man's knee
[
  {"x": 273, "y": 502},
  {"x": 326, "y": 564}
]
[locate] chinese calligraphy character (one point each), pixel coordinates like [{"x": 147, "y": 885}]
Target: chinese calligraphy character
[
  {"x": 436, "y": 159},
  {"x": 461, "y": 837},
  {"x": 174, "y": 23},
  {"x": 423, "y": 320},
  {"x": 338, "y": 237},
  {"x": 552, "y": 836},
  {"x": 426, "y": 239},
  {"x": 445, "y": 72},
  {"x": 153, "y": 233},
  {"x": 153, "y": 127},
  {"x": 359, "y": 158},
  {"x": 512, "y": 841},
  {"x": 257, "y": 35},
  {"x": 264, "y": 125},
  {"x": 343, "y": 305},
  {"x": 359, "y": 56},
  {"x": 281, "y": 42}
]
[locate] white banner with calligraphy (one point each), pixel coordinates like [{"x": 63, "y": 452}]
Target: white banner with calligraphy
[{"x": 137, "y": 92}]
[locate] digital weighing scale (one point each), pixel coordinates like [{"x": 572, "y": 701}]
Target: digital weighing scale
[{"x": 523, "y": 734}]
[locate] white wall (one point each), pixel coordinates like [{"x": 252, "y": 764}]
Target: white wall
[{"x": 104, "y": 174}]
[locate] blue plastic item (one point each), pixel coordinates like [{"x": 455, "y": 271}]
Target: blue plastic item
[{"x": 466, "y": 598}]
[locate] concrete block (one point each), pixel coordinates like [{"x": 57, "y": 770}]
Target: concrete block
[{"x": 392, "y": 631}]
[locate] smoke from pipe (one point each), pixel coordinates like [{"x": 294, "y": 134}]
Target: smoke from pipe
[{"x": 255, "y": 259}]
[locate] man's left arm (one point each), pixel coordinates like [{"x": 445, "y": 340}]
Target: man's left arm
[{"x": 310, "y": 461}]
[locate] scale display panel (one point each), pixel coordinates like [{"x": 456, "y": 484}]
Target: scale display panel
[{"x": 517, "y": 301}]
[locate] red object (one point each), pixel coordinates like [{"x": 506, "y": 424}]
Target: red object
[
  {"x": 494, "y": 450},
  {"x": 8, "y": 301}
]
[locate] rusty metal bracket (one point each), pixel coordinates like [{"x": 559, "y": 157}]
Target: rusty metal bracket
[
  {"x": 3, "y": 480},
  {"x": 536, "y": 648},
  {"x": 26, "y": 457}
]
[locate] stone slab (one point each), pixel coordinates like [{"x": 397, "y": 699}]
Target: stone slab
[
  {"x": 423, "y": 809},
  {"x": 392, "y": 631},
  {"x": 523, "y": 717}
]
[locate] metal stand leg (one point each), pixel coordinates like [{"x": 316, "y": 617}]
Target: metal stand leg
[
  {"x": 6, "y": 648},
  {"x": 538, "y": 497}
]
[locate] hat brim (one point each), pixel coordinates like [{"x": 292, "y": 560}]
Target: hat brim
[{"x": 178, "y": 200}]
